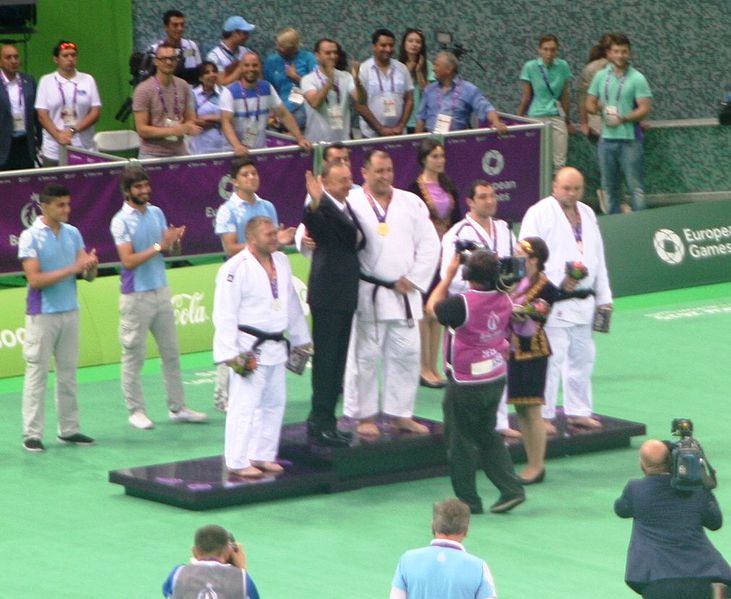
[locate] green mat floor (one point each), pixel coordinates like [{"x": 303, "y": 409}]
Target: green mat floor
[{"x": 66, "y": 532}]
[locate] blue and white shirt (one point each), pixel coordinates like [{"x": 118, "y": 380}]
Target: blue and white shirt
[
  {"x": 233, "y": 215},
  {"x": 53, "y": 253},
  {"x": 142, "y": 229},
  {"x": 251, "y": 111}
]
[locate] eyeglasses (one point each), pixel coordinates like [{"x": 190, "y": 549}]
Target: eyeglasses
[
  {"x": 67, "y": 46},
  {"x": 166, "y": 58}
]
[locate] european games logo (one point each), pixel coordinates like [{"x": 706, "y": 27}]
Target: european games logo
[
  {"x": 493, "y": 163},
  {"x": 668, "y": 246},
  {"x": 30, "y": 211},
  {"x": 225, "y": 187}
]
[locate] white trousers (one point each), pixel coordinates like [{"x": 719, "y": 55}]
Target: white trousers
[
  {"x": 49, "y": 335},
  {"x": 397, "y": 348},
  {"x": 254, "y": 417},
  {"x": 502, "y": 421},
  {"x": 350, "y": 379},
  {"x": 570, "y": 367}
]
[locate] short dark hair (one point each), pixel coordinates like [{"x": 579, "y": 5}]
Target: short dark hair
[
  {"x": 238, "y": 163},
  {"x": 169, "y": 14},
  {"x": 535, "y": 247},
  {"x": 368, "y": 156},
  {"x": 450, "y": 517},
  {"x": 329, "y": 166},
  {"x": 481, "y": 268},
  {"x": 53, "y": 191},
  {"x": 338, "y": 145},
  {"x": 382, "y": 32},
  {"x": 130, "y": 176},
  {"x": 617, "y": 38},
  {"x": 211, "y": 539},
  {"x": 475, "y": 184},
  {"x": 548, "y": 37},
  {"x": 253, "y": 225},
  {"x": 324, "y": 40},
  {"x": 204, "y": 65},
  {"x": 64, "y": 45}
]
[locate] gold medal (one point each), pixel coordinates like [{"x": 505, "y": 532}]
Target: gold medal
[
  {"x": 382, "y": 229},
  {"x": 276, "y": 304}
]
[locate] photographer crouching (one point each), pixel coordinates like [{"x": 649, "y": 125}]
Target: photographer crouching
[{"x": 669, "y": 555}]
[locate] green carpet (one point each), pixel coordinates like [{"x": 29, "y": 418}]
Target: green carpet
[{"x": 67, "y": 533}]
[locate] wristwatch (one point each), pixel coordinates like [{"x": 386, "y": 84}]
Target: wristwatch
[{"x": 157, "y": 247}]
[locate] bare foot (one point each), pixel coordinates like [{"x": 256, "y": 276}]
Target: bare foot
[
  {"x": 510, "y": 433},
  {"x": 250, "y": 472},
  {"x": 584, "y": 422},
  {"x": 409, "y": 425},
  {"x": 550, "y": 427},
  {"x": 368, "y": 428},
  {"x": 268, "y": 466}
]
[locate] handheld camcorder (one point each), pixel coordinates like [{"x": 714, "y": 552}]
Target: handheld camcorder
[
  {"x": 510, "y": 269},
  {"x": 689, "y": 467}
]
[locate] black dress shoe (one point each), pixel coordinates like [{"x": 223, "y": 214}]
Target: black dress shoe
[
  {"x": 538, "y": 478},
  {"x": 329, "y": 438}
]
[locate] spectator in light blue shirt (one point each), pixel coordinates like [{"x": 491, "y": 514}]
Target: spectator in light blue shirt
[
  {"x": 210, "y": 99},
  {"x": 285, "y": 68},
  {"x": 449, "y": 102}
]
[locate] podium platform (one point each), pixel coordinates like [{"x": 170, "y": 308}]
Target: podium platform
[{"x": 395, "y": 456}]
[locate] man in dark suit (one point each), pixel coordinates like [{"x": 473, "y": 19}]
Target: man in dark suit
[
  {"x": 332, "y": 293},
  {"x": 17, "y": 115},
  {"x": 669, "y": 555}
]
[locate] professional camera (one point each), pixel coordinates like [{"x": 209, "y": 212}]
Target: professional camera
[
  {"x": 509, "y": 269},
  {"x": 689, "y": 467},
  {"x": 464, "y": 247}
]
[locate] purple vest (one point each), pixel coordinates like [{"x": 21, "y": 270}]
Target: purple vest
[{"x": 475, "y": 351}]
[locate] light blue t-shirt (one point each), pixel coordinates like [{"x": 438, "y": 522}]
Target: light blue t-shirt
[
  {"x": 444, "y": 569},
  {"x": 275, "y": 72},
  {"x": 53, "y": 253},
  {"x": 547, "y": 84},
  {"x": 142, "y": 229},
  {"x": 233, "y": 215}
]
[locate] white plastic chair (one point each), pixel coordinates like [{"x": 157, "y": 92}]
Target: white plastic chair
[{"x": 117, "y": 141}]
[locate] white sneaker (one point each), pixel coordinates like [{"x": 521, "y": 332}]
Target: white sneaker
[
  {"x": 188, "y": 415},
  {"x": 139, "y": 419}
]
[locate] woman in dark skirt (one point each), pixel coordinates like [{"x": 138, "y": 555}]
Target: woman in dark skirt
[
  {"x": 529, "y": 356},
  {"x": 440, "y": 195}
]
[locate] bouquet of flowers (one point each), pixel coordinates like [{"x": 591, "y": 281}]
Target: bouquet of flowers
[
  {"x": 245, "y": 364},
  {"x": 538, "y": 310},
  {"x": 576, "y": 270}
]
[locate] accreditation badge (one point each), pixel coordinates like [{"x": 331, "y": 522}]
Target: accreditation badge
[
  {"x": 389, "y": 106},
  {"x": 251, "y": 133},
  {"x": 171, "y": 123},
  {"x": 68, "y": 115},
  {"x": 18, "y": 122},
  {"x": 296, "y": 97},
  {"x": 335, "y": 116},
  {"x": 442, "y": 124},
  {"x": 276, "y": 304}
]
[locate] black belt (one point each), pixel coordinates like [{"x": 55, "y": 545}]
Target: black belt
[
  {"x": 388, "y": 285},
  {"x": 262, "y": 336}
]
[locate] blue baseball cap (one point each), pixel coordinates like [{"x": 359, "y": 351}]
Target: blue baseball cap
[{"x": 237, "y": 23}]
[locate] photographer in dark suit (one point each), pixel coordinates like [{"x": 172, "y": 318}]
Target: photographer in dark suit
[
  {"x": 669, "y": 555},
  {"x": 332, "y": 294},
  {"x": 17, "y": 113}
]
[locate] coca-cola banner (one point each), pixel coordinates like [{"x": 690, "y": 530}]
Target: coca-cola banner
[{"x": 189, "y": 190}]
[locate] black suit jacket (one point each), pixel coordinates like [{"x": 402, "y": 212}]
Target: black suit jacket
[
  {"x": 668, "y": 540},
  {"x": 335, "y": 270},
  {"x": 6, "y": 117}
]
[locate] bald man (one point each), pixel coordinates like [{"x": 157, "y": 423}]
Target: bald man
[
  {"x": 669, "y": 555},
  {"x": 570, "y": 229}
]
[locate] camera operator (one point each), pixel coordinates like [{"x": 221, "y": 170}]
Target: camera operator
[
  {"x": 669, "y": 555},
  {"x": 217, "y": 569}
]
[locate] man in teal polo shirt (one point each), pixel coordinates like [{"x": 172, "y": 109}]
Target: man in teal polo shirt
[
  {"x": 623, "y": 97},
  {"x": 545, "y": 95}
]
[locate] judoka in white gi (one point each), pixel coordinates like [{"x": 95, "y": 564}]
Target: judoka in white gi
[
  {"x": 254, "y": 290},
  {"x": 402, "y": 252},
  {"x": 570, "y": 229},
  {"x": 480, "y": 226}
]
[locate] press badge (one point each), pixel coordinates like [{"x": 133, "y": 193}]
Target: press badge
[
  {"x": 389, "y": 107},
  {"x": 251, "y": 133},
  {"x": 168, "y": 124},
  {"x": 68, "y": 115},
  {"x": 442, "y": 124},
  {"x": 18, "y": 122},
  {"x": 296, "y": 97},
  {"x": 335, "y": 116}
]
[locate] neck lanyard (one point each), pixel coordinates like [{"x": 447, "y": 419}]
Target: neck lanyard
[
  {"x": 19, "y": 82},
  {"x": 493, "y": 232},
  {"x": 380, "y": 83},
  {"x": 231, "y": 55},
  {"x": 63, "y": 96},
  {"x": 380, "y": 217},
  {"x": 619, "y": 88},
  {"x": 176, "y": 113},
  {"x": 206, "y": 97},
  {"x": 323, "y": 80},
  {"x": 545, "y": 80},
  {"x": 576, "y": 228},
  {"x": 272, "y": 278},
  {"x": 456, "y": 90},
  {"x": 247, "y": 114}
]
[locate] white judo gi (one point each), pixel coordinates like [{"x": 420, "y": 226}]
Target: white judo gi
[
  {"x": 499, "y": 239},
  {"x": 569, "y": 327},
  {"x": 244, "y": 296},
  {"x": 410, "y": 249}
]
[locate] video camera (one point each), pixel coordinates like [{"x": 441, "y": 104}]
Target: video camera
[
  {"x": 689, "y": 467},
  {"x": 510, "y": 269}
]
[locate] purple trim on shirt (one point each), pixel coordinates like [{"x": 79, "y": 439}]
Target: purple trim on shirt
[
  {"x": 34, "y": 302},
  {"x": 127, "y": 279}
]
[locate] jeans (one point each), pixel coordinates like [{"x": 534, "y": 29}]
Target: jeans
[{"x": 627, "y": 155}]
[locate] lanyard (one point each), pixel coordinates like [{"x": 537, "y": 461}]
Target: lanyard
[
  {"x": 380, "y": 83},
  {"x": 323, "y": 80},
  {"x": 576, "y": 228},
  {"x": 227, "y": 52},
  {"x": 247, "y": 114},
  {"x": 493, "y": 232},
  {"x": 380, "y": 217},
  {"x": 7, "y": 82},
  {"x": 455, "y": 97},
  {"x": 273, "y": 287},
  {"x": 176, "y": 113},
  {"x": 205, "y": 97},
  {"x": 63, "y": 96},
  {"x": 619, "y": 89},
  {"x": 545, "y": 80}
]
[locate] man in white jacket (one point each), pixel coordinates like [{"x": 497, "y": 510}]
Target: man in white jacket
[{"x": 570, "y": 229}]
